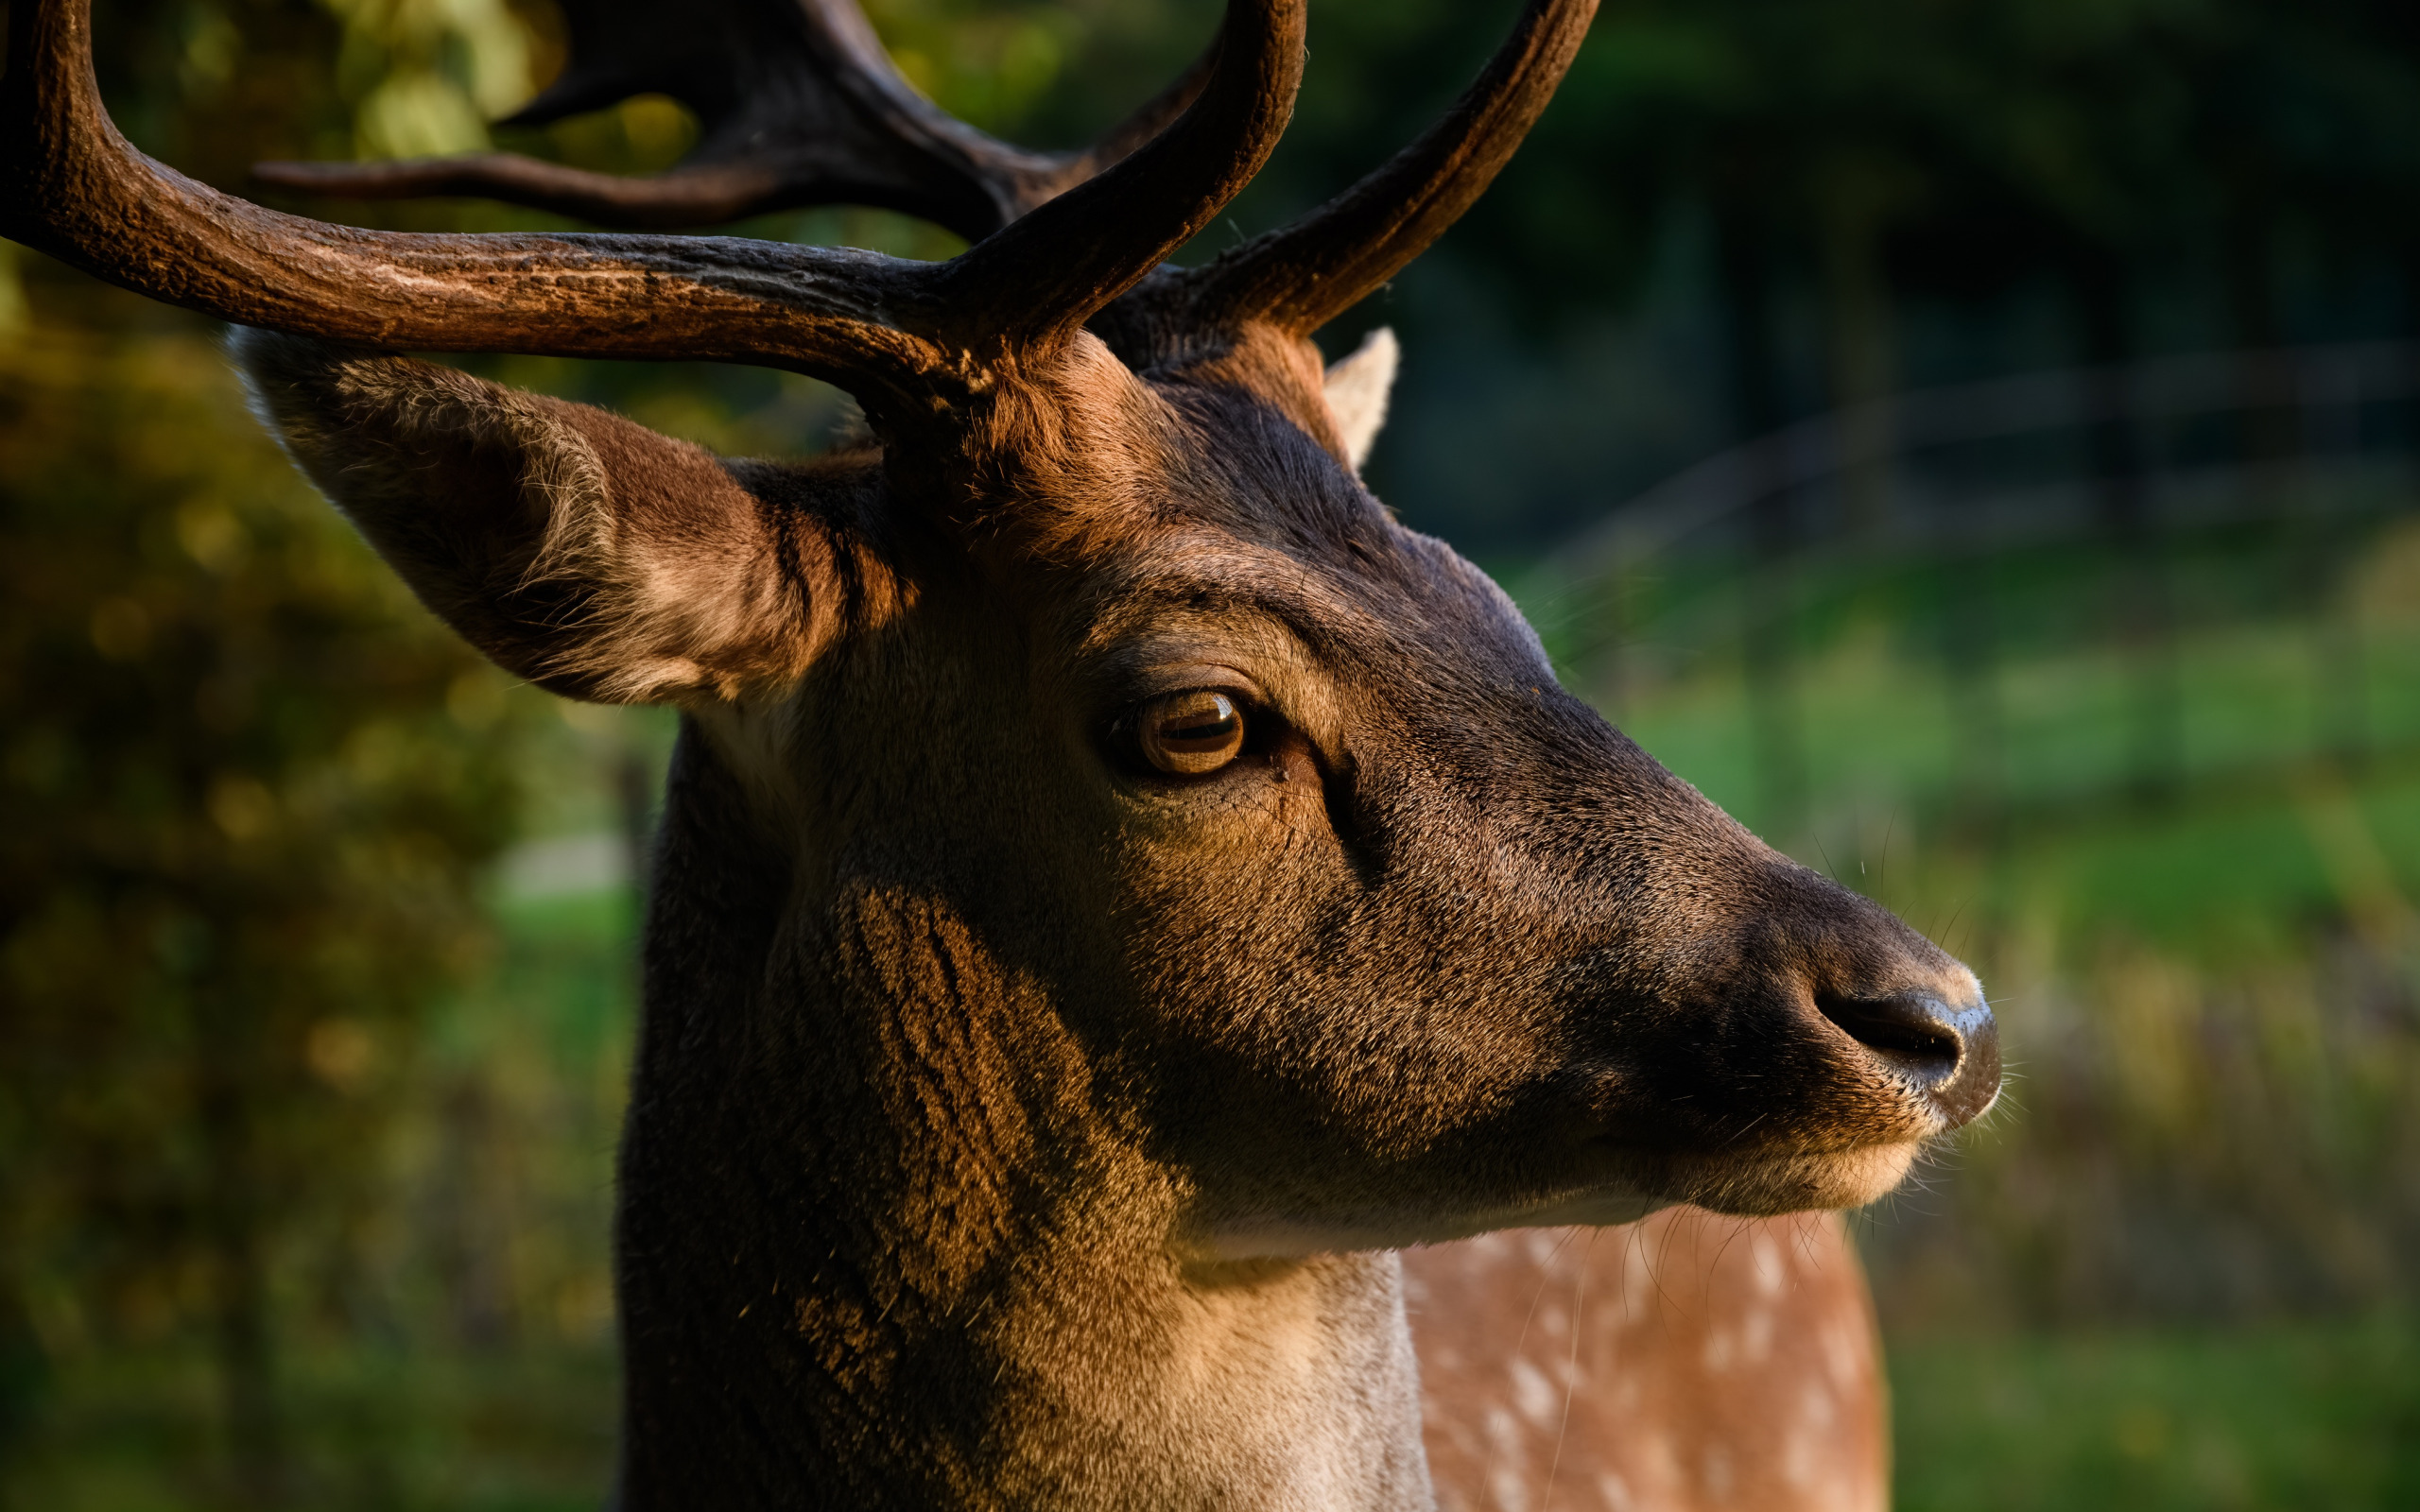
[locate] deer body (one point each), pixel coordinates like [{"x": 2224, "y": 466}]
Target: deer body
[
  {"x": 1688, "y": 1361},
  {"x": 1115, "y": 882}
]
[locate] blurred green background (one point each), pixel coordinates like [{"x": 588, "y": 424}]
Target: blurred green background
[{"x": 1975, "y": 441}]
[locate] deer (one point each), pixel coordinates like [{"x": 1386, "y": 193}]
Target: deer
[{"x": 1116, "y": 887}]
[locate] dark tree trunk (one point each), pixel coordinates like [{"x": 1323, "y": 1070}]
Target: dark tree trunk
[
  {"x": 1860, "y": 332},
  {"x": 226, "y": 1039},
  {"x": 1970, "y": 655},
  {"x": 635, "y": 803},
  {"x": 1745, "y": 267},
  {"x": 2144, "y": 613},
  {"x": 24, "y": 1375},
  {"x": 472, "y": 1236},
  {"x": 2271, "y": 418}
]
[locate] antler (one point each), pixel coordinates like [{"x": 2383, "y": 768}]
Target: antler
[
  {"x": 72, "y": 187},
  {"x": 800, "y": 105},
  {"x": 1303, "y": 275}
]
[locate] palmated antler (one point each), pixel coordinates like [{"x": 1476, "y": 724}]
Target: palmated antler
[
  {"x": 800, "y": 106},
  {"x": 72, "y": 187}
]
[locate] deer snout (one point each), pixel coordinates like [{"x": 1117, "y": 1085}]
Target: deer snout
[{"x": 1943, "y": 1047}]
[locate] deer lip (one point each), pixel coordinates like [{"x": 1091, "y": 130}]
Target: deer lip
[{"x": 1789, "y": 1169}]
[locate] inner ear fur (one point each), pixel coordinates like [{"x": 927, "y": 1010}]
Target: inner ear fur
[
  {"x": 1358, "y": 387},
  {"x": 583, "y": 552}
]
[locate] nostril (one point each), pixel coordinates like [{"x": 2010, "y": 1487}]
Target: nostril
[
  {"x": 1907, "y": 1028},
  {"x": 1898, "y": 1026},
  {"x": 1950, "y": 1055}
]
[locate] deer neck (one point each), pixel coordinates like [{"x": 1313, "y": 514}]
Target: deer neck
[{"x": 881, "y": 1243}]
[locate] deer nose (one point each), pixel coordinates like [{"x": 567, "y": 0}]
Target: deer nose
[{"x": 1949, "y": 1053}]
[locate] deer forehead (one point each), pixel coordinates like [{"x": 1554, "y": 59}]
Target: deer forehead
[
  {"x": 1308, "y": 623},
  {"x": 1359, "y": 586}
]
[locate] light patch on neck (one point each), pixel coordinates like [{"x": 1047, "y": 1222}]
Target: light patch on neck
[{"x": 757, "y": 740}]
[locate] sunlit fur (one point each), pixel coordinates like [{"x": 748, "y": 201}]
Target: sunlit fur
[{"x": 1008, "y": 1123}]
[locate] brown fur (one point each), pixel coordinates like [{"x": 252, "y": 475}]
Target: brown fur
[{"x": 1014, "y": 1126}]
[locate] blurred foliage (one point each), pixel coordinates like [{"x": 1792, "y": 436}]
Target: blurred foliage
[
  {"x": 306, "y": 1108},
  {"x": 249, "y": 792},
  {"x": 1966, "y": 142},
  {"x": 2323, "y": 1416},
  {"x": 426, "y": 78},
  {"x": 246, "y": 792}
]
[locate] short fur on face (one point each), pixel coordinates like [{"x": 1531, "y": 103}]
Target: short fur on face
[{"x": 979, "y": 1050}]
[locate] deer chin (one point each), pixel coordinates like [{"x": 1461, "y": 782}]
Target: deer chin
[
  {"x": 1765, "y": 1186},
  {"x": 1285, "y": 1237},
  {"x": 1749, "y": 1186}
]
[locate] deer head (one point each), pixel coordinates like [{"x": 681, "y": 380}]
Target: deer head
[{"x": 1114, "y": 876}]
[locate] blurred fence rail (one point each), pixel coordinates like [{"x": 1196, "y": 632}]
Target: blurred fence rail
[
  {"x": 2131, "y": 518},
  {"x": 2306, "y": 405}
]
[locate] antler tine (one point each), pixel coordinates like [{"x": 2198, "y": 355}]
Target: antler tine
[
  {"x": 801, "y": 106},
  {"x": 695, "y": 196},
  {"x": 1303, "y": 275},
  {"x": 1038, "y": 279}
]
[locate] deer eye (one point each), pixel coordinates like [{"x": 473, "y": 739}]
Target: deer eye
[{"x": 1191, "y": 734}]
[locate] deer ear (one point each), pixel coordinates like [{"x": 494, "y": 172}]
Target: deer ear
[
  {"x": 583, "y": 552},
  {"x": 1358, "y": 387}
]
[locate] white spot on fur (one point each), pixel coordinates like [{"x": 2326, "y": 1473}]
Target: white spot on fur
[
  {"x": 1503, "y": 1429},
  {"x": 1843, "y": 1357},
  {"x": 1714, "y": 1473},
  {"x": 1535, "y": 1395},
  {"x": 1799, "y": 1465},
  {"x": 1639, "y": 1281},
  {"x": 1756, "y": 1336},
  {"x": 1766, "y": 1259},
  {"x": 1510, "y": 1491},
  {"x": 1719, "y": 1350}
]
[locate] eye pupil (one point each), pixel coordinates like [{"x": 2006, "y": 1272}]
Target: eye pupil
[
  {"x": 1191, "y": 734},
  {"x": 1210, "y": 732}
]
